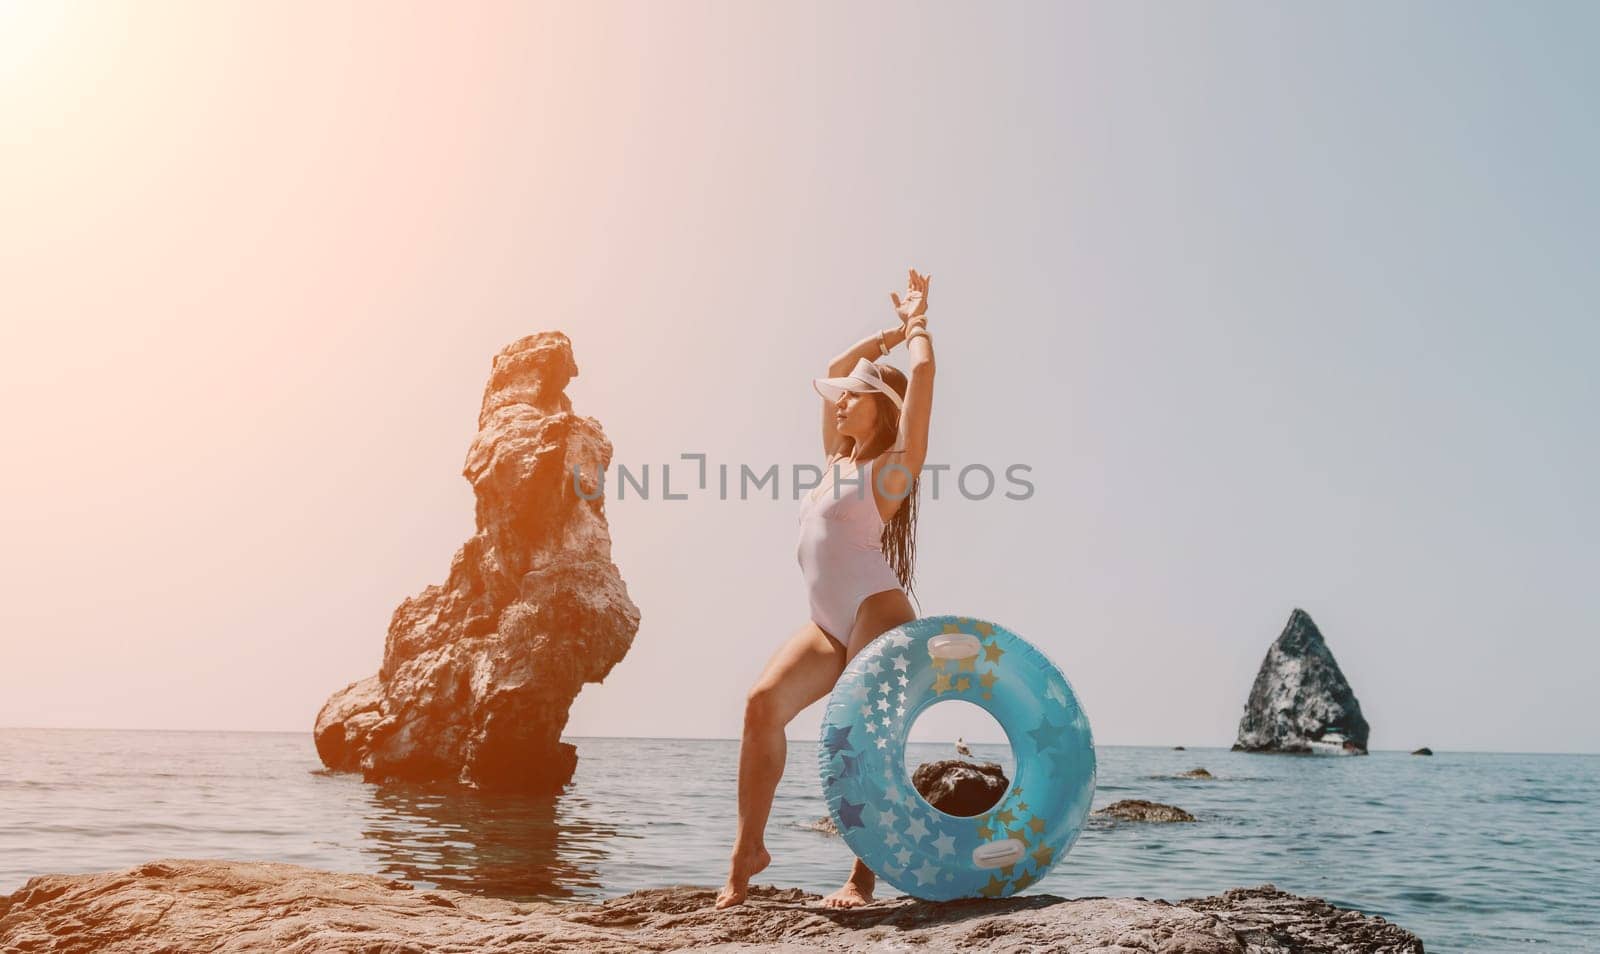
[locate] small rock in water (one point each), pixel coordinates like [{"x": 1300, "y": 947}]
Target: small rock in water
[
  {"x": 961, "y": 788},
  {"x": 1137, "y": 809},
  {"x": 825, "y": 825},
  {"x": 1423, "y": 751},
  {"x": 1195, "y": 773},
  {"x": 1179, "y": 748}
]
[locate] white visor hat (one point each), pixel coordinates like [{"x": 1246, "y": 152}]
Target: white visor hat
[{"x": 863, "y": 377}]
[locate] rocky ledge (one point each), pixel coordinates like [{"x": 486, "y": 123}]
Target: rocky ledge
[{"x": 175, "y": 905}]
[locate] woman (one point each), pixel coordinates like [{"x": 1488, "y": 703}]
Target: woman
[{"x": 856, "y": 553}]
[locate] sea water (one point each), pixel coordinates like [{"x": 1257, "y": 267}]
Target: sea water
[{"x": 1470, "y": 851}]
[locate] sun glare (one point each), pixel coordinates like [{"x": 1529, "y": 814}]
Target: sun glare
[{"x": 27, "y": 29}]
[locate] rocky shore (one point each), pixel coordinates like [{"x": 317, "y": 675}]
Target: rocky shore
[{"x": 184, "y": 905}]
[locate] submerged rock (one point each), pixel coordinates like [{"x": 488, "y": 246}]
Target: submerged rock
[
  {"x": 1423, "y": 751},
  {"x": 191, "y": 905},
  {"x": 1139, "y": 810},
  {"x": 1300, "y": 697},
  {"x": 1195, "y": 773},
  {"x": 478, "y": 673}
]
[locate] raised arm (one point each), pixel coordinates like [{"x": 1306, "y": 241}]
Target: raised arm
[
  {"x": 865, "y": 348},
  {"x": 917, "y": 409},
  {"x": 914, "y": 416}
]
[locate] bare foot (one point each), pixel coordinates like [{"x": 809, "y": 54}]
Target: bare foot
[
  {"x": 852, "y": 895},
  {"x": 741, "y": 869}
]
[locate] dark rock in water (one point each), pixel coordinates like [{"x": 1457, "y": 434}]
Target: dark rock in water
[
  {"x": 963, "y": 788},
  {"x": 478, "y": 673},
  {"x": 1300, "y": 696},
  {"x": 1195, "y": 773},
  {"x": 193, "y": 905},
  {"x": 1423, "y": 751},
  {"x": 1178, "y": 748},
  {"x": 1137, "y": 809}
]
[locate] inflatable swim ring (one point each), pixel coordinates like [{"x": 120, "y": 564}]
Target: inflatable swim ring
[{"x": 889, "y": 825}]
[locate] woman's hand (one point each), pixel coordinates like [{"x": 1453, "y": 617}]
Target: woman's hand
[{"x": 915, "y": 301}]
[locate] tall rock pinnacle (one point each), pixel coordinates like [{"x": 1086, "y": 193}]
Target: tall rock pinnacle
[{"x": 478, "y": 672}]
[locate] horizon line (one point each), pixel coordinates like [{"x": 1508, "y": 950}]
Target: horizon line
[{"x": 697, "y": 738}]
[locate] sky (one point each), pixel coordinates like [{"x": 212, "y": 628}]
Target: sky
[{"x": 1281, "y": 305}]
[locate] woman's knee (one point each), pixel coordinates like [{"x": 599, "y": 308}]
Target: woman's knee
[{"x": 764, "y": 707}]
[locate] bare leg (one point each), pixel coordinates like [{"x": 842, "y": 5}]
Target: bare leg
[
  {"x": 802, "y": 671},
  {"x": 877, "y": 614}
]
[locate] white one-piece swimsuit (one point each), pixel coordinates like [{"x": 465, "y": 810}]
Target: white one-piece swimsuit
[{"x": 841, "y": 550}]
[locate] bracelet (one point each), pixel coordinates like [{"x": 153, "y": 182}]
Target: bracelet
[
  {"x": 918, "y": 331},
  {"x": 883, "y": 346}
]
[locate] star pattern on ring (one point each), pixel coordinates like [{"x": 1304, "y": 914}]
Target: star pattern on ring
[{"x": 915, "y": 846}]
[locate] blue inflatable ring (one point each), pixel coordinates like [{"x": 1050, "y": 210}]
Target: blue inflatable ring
[{"x": 890, "y": 826}]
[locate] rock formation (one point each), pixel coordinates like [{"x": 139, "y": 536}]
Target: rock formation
[
  {"x": 478, "y": 673},
  {"x": 961, "y": 788},
  {"x": 1423, "y": 751},
  {"x": 953, "y": 786},
  {"x": 192, "y": 905},
  {"x": 1137, "y": 809},
  {"x": 1299, "y": 696}
]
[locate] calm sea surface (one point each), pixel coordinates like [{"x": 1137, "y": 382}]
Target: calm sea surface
[{"x": 1473, "y": 852}]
